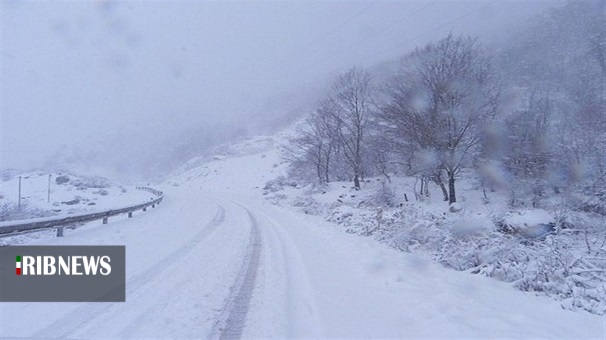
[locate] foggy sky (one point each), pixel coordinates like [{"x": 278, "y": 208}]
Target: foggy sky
[{"x": 111, "y": 78}]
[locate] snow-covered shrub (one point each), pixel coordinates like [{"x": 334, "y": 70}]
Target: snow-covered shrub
[
  {"x": 567, "y": 264},
  {"x": 278, "y": 184},
  {"x": 597, "y": 204},
  {"x": 277, "y": 198},
  {"x": 547, "y": 244},
  {"x": 75, "y": 201},
  {"x": 9, "y": 174},
  {"x": 11, "y": 212},
  {"x": 385, "y": 196},
  {"x": 554, "y": 265},
  {"x": 308, "y": 205},
  {"x": 62, "y": 179},
  {"x": 91, "y": 182}
]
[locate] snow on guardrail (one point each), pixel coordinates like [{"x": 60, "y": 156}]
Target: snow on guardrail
[{"x": 54, "y": 221}]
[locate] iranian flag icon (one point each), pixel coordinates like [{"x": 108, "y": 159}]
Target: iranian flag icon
[{"x": 18, "y": 265}]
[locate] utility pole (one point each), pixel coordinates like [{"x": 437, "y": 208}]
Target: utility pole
[
  {"x": 19, "y": 192},
  {"x": 48, "y": 196}
]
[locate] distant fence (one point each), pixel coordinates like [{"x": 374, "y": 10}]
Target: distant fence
[
  {"x": 62, "y": 221},
  {"x": 150, "y": 190}
]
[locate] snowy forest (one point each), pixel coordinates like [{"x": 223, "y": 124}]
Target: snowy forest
[{"x": 491, "y": 158}]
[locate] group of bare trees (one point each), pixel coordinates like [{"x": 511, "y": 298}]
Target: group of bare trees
[
  {"x": 556, "y": 134},
  {"x": 444, "y": 110},
  {"x": 439, "y": 105},
  {"x": 335, "y": 139},
  {"x": 428, "y": 117}
]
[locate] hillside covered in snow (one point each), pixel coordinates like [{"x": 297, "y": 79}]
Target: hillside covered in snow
[
  {"x": 326, "y": 169},
  {"x": 266, "y": 267},
  {"x": 60, "y": 193},
  {"x": 481, "y": 234}
]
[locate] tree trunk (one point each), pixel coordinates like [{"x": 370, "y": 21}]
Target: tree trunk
[
  {"x": 452, "y": 196},
  {"x": 444, "y": 191},
  {"x": 422, "y": 190},
  {"x": 319, "y": 164},
  {"x": 356, "y": 181},
  {"x": 326, "y": 169},
  {"x": 319, "y": 171},
  {"x": 438, "y": 180}
]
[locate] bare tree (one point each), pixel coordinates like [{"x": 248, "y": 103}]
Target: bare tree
[
  {"x": 305, "y": 152},
  {"x": 325, "y": 126},
  {"x": 317, "y": 142},
  {"x": 444, "y": 95},
  {"x": 351, "y": 102},
  {"x": 529, "y": 155}
]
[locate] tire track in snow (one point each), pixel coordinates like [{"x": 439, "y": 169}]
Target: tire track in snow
[
  {"x": 298, "y": 309},
  {"x": 85, "y": 314},
  {"x": 232, "y": 319}
]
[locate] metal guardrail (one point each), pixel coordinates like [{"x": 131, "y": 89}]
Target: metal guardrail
[
  {"x": 61, "y": 222},
  {"x": 150, "y": 190}
]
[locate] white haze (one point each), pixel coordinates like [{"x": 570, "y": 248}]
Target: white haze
[{"x": 132, "y": 88}]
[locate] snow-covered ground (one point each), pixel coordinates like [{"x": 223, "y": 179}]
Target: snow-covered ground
[
  {"x": 219, "y": 259},
  {"x": 69, "y": 194}
]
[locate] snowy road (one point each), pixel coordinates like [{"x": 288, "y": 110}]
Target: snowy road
[
  {"x": 231, "y": 323},
  {"x": 212, "y": 266}
]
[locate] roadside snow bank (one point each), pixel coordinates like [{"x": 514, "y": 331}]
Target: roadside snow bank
[{"x": 525, "y": 247}]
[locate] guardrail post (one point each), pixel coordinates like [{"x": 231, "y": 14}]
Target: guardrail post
[
  {"x": 153, "y": 205},
  {"x": 104, "y": 220},
  {"x": 60, "y": 232},
  {"x": 130, "y": 214},
  {"x": 145, "y": 209}
]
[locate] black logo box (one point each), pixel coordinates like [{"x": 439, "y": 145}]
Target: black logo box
[{"x": 62, "y": 288}]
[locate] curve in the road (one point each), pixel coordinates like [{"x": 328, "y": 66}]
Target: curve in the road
[{"x": 71, "y": 322}]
